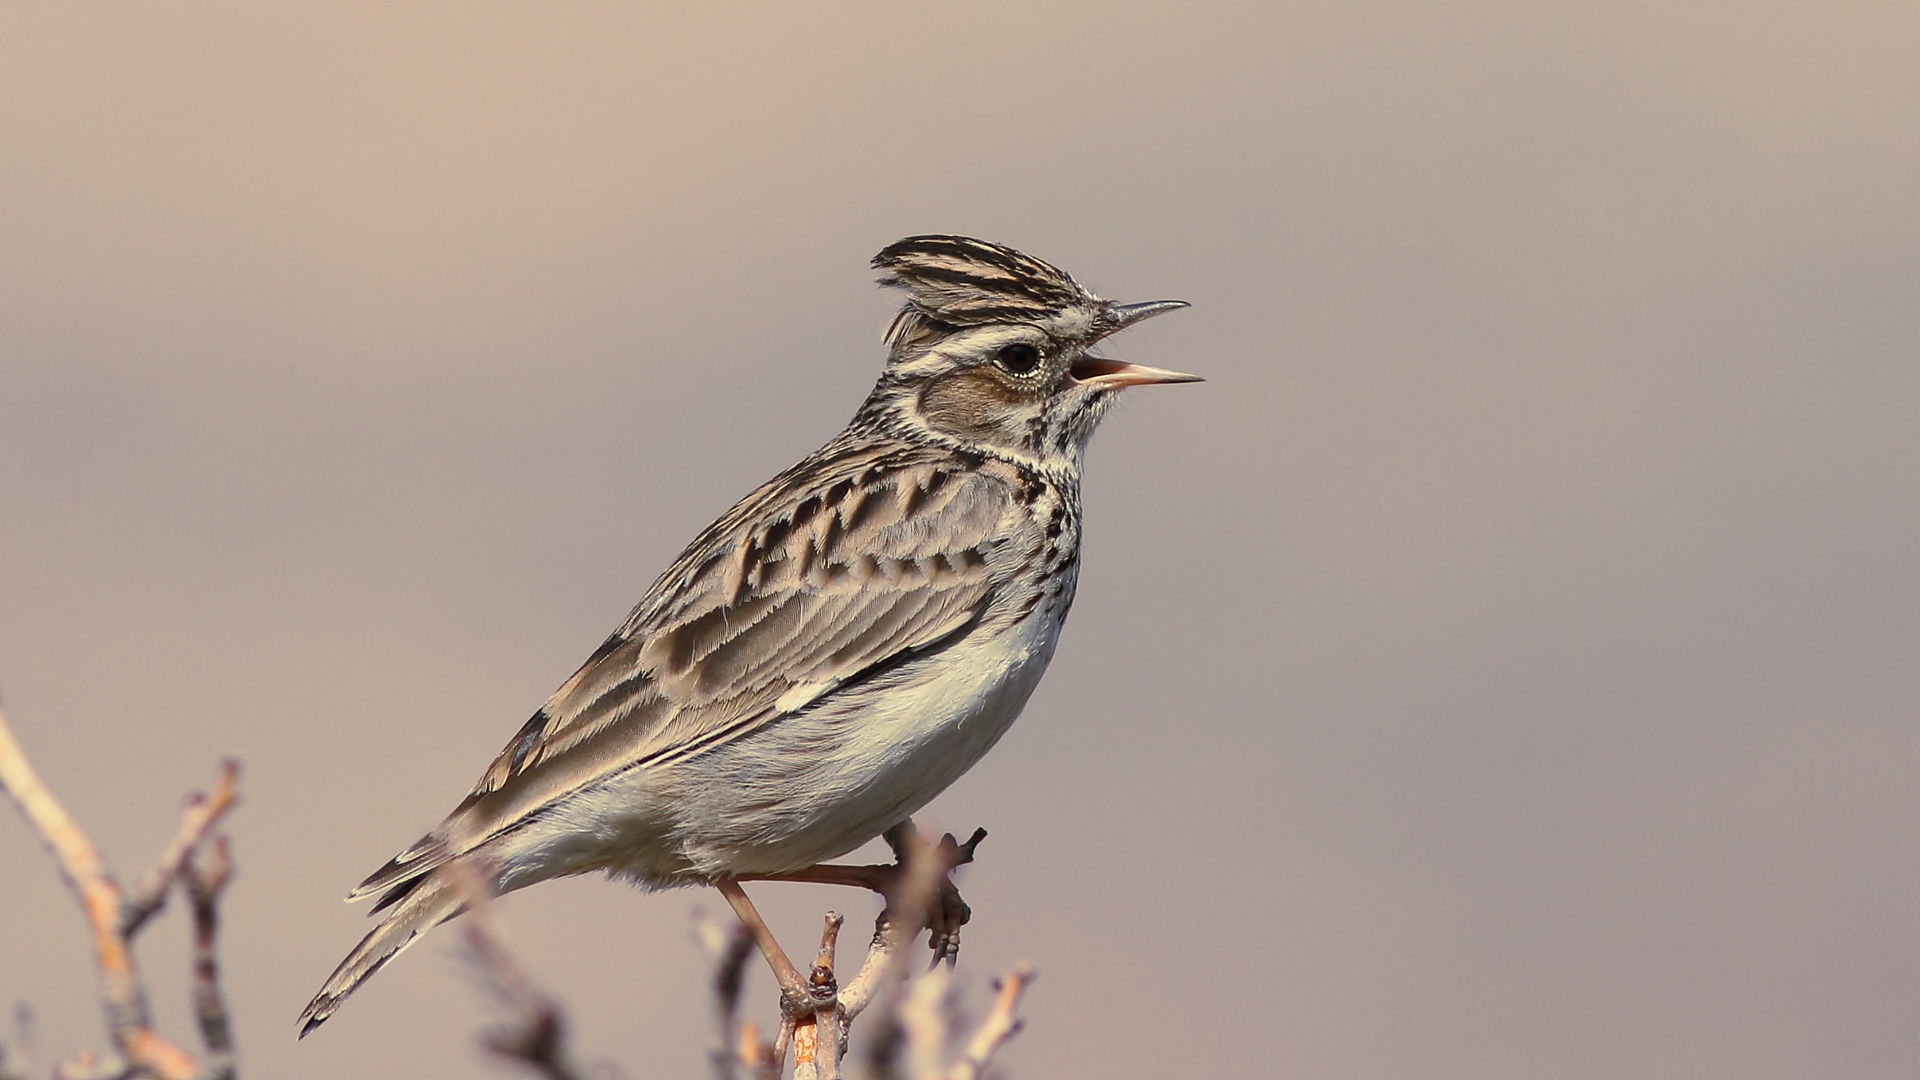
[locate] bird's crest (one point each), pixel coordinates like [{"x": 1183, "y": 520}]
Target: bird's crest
[{"x": 956, "y": 281}]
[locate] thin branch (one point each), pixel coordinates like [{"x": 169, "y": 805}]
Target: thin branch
[
  {"x": 535, "y": 1034},
  {"x": 756, "y": 1054},
  {"x": 816, "y": 1040},
  {"x": 825, "y": 988},
  {"x": 782, "y": 1042},
  {"x": 89, "y": 1066},
  {"x": 888, "y": 936},
  {"x": 197, "y": 820},
  {"x": 204, "y": 885},
  {"x": 123, "y": 994},
  {"x": 906, "y": 915},
  {"x": 17, "y": 1054},
  {"x": 923, "y": 1012},
  {"x": 734, "y": 1046},
  {"x": 806, "y": 1050},
  {"x": 999, "y": 1025}
]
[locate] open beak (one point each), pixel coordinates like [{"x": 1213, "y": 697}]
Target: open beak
[{"x": 1114, "y": 374}]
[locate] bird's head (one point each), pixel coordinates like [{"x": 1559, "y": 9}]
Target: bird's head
[{"x": 994, "y": 349}]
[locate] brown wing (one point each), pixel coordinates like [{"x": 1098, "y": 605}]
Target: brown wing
[{"x": 846, "y": 563}]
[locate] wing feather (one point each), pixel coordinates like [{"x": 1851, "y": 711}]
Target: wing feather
[{"x": 844, "y": 564}]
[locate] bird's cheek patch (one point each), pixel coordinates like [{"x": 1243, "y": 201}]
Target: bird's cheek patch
[{"x": 971, "y": 405}]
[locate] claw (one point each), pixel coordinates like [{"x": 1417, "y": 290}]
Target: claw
[
  {"x": 946, "y": 912},
  {"x": 949, "y": 914}
]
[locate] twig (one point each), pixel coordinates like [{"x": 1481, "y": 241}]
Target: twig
[
  {"x": 907, "y": 913},
  {"x": 535, "y": 1036},
  {"x": 757, "y": 1053},
  {"x": 197, "y": 820},
  {"x": 204, "y": 884},
  {"x": 123, "y": 994},
  {"x": 782, "y": 1042},
  {"x": 17, "y": 1054},
  {"x": 999, "y": 1025},
  {"x": 916, "y": 1019},
  {"x": 88, "y": 1066},
  {"x": 858, "y": 993},
  {"x": 923, "y": 1011},
  {"x": 886, "y": 968},
  {"x": 885, "y": 1045},
  {"x": 816, "y": 1038},
  {"x": 728, "y": 951},
  {"x": 825, "y": 988}
]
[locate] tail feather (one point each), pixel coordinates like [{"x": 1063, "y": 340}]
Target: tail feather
[
  {"x": 427, "y": 854},
  {"x": 426, "y": 903}
]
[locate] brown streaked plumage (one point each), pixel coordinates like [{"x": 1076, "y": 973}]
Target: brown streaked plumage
[{"x": 837, "y": 648}]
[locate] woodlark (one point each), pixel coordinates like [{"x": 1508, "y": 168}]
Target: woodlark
[{"x": 835, "y": 650}]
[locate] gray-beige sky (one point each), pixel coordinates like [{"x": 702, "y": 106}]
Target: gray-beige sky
[{"x": 1504, "y": 666}]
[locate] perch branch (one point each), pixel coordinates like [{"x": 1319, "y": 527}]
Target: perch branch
[
  {"x": 205, "y": 882},
  {"x": 816, "y": 1036},
  {"x": 123, "y": 994}
]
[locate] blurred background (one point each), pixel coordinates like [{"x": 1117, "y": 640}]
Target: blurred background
[{"x": 1505, "y": 665}]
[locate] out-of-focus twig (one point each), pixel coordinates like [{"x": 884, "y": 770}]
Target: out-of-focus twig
[
  {"x": 756, "y": 1054},
  {"x": 923, "y": 1012},
  {"x": 205, "y": 877},
  {"x": 535, "y": 1033},
  {"x": 197, "y": 820},
  {"x": 90, "y": 1066},
  {"x": 1000, "y": 1025},
  {"x": 925, "y": 1017},
  {"x": 142, "y": 1051},
  {"x": 734, "y": 1046},
  {"x": 17, "y": 1054},
  {"x": 884, "y": 974}
]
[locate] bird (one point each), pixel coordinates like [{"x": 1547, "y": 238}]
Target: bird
[{"x": 836, "y": 649}]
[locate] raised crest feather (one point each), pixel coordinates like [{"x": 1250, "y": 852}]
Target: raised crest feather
[{"x": 959, "y": 281}]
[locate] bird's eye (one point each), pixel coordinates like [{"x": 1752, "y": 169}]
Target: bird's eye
[{"x": 1018, "y": 359}]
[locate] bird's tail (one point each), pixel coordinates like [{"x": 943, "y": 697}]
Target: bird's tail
[{"x": 426, "y": 902}]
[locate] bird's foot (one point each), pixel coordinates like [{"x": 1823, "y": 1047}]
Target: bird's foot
[
  {"x": 923, "y": 881},
  {"x": 920, "y": 880}
]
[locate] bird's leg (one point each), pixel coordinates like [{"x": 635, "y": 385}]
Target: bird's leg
[
  {"x": 793, "y": 989},
  {"x": 920, "y": 879}
]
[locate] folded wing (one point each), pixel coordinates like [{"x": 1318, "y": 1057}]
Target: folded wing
[{"x": 882, "y": 556}]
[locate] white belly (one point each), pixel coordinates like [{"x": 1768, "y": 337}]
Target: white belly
[{"x": 807, "y": 787}]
